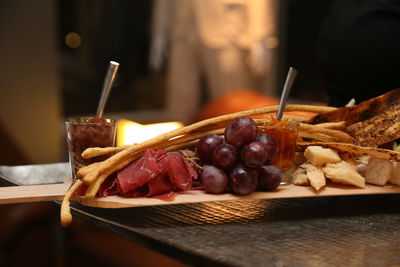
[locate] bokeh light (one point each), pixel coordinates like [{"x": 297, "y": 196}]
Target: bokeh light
[{"x": 73, "y": 40}]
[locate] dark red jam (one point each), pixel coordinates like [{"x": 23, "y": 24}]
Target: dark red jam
[{"x": 83, "y": 133}]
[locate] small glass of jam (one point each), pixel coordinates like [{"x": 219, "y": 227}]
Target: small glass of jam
[
  {"x": 286, "y": 134},
  {"x": 83, "y": 133}
]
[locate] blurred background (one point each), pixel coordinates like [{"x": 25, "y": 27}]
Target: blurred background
[
  {"x": 176, "y": 59},
  {"x": 55, "y": 55}
]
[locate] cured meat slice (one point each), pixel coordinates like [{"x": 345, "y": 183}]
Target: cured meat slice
[
  {"x": 156, "y": 174},
  {"x": 177, "y": 170},
  {"x": 109, "y": 187},
  {"x": 167, "y": 196},
  {"x": 140, "y": 171},
  {"x": 191, "y": 169},
  {"x": 159, "y": 185},
  {"x": 137, "y": 192}
]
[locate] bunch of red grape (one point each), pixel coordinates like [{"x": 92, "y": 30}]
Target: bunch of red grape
[{"x": 240, "y": 163}]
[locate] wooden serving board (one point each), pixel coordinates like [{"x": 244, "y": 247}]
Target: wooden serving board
[
  {"x": 197, "y": 196},
  {"x": 32, "y": 193},
  {"x": 52, "y": 192}
]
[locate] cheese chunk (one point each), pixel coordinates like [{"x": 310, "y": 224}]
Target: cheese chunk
[
  {"x": 362, "y": 163},
  {"x": 315, "y": 175},
  {"x": 379, "y": 171},
  {"x": 395, "y": 173},
  {"x": 299, "y": 177},
  {"x": 318, "y": 155},
  {"x": 345, "y": 173}
]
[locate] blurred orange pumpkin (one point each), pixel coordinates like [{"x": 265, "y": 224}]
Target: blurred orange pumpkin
[
  {"x": 234, "y": 101},
  {"x": 238, "y": 100}
]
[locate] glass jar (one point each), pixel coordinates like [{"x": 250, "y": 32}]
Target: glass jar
[
  {"x": 85, "y": 132},
  {"x": 285, "y": 133}
]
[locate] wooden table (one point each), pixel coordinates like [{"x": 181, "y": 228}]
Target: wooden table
[{"x": 323, "y": 231}]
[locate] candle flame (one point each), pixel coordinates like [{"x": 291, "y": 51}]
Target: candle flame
[{"x": 130, "y": 132}]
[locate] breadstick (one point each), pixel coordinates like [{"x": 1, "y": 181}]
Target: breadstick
[
  {"x": 294, "y": 117},
  {"x": 92, "y": 152},
  {"x": 86, "y": 169},
  {"x": 338, "y": 125},
  {"x": 339, "y": 135},
  {"x": 65, "y": 214},
  {"x": 101, "y": 151},
  {"x": 317, "y": 136}
]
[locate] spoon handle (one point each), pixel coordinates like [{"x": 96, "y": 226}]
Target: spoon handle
[
  {"x": 108, "y": 82},
  {"x": 286, "y": 90}
]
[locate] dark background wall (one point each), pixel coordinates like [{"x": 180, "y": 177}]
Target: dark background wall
[
  {"x": 300, "y": 23},
  {"x": 44, "y": 80}
]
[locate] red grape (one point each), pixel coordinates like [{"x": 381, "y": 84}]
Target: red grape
[
  {"x": 206, "y": 146},
  {"x": 225, "y": 156},
  {"x": 242, "y": 181},
  {"x": 248, "y": 170},
  {"x": 269, "y": 177},
  {"x": 241, "y": 131},
  {"x": 214, "y": 180},
  {"x": 271, "y": 146},
  {"x": 254, "y": 154}
]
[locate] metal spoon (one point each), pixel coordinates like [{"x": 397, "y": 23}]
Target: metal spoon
[
  {"x": 107, "y": 85},
  {"x": 285, "y": 93}
]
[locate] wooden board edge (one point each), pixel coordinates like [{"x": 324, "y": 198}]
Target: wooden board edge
[{"x": 197, "y": 196}]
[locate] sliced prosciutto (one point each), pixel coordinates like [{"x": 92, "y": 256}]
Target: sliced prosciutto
[
  {"x": 175, "y": 168},
  {"x": 140, "y": 172},
  {"x": 109, "y": 187},
  {"x": 159, "y": 185},
  {"x": 167, "y": 196},
  {"x": 156, "y": 174}
]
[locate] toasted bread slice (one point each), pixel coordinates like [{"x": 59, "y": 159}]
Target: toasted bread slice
[
  {"x": 378, "y": 130},
  {"x": 363, "y": 111}
]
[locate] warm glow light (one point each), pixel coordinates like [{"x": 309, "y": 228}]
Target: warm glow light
[
  {"x": 130, "y": 132},
  {"x": 272, "y": 42},
  {"x": 73, "y": 40}
]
